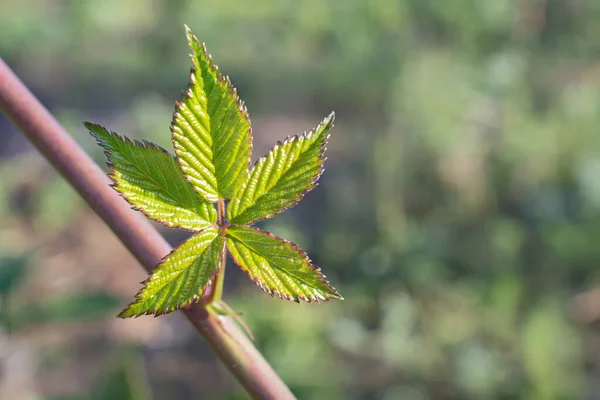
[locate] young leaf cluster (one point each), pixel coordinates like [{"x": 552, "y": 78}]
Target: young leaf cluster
[{"x": 212, "y": 138}]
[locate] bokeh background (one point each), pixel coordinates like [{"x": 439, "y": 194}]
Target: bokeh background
[{"x": 459, "y": 214}]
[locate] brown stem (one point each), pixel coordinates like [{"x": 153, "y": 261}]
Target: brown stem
[
  {"x": 221, "y": 214},
  {"x": 238, "y": 354}
]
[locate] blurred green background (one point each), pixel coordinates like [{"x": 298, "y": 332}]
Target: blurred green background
[{"x": 459, "y": 214}]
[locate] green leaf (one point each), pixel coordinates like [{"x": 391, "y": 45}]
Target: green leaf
[
  {"x": 280, "y": 179},
  {"x": 148, "y": 177},
  {"x": 181, "y": 277},
  {"x": 211, "y": 129},
  {"x": 212, "y": 138},
  {"x": 277, "y": 266}
]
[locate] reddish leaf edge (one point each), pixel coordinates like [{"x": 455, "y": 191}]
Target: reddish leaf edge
[
  {"x": 330, "y": 121},
  {"x": 272, "y": 292},
  {"x": 187, "y": 94},
  {"x": 178, "y": 306},
  {"x": 115, "y": 185}
]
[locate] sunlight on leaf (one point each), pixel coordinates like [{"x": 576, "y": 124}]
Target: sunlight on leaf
[
  {"x": 280, "y": 179},
  {"x": 212, "y": 138},
  {"x": 277, "y": 266},
  {"x": 149, "y": 178},
  {"x": 182, "y": 277},
  {"x": 211, "y": 129}
]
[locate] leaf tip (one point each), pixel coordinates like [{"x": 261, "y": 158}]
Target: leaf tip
[
  {"x": 127, "y": 313},
  {"x": 327, "y": 123},
  {"x": 188, "y": 33},
  {"x": 95, "y": 130},
  {"x": 198, "y": 48},
  {"x": 334, "y": 294},
  {"x": 331, "y": 116},
  {"x": 89, "y": 125}
]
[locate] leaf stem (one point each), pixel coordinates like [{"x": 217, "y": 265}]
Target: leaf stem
[
  {"x": 217, "y": 285},
  {"x": 217, "y": 292},
  {"x": 232, "y": 346},
  {"x": 221, "y": 220}
]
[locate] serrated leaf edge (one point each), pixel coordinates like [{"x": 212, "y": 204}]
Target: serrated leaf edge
[
  {"x": 272, "y": 292},
  {"x": 115, "y": 184},
  {"x": 187, "y": 94},
  {"x": 178, "y": 306},
  {"x": 330, "y": 119}
]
